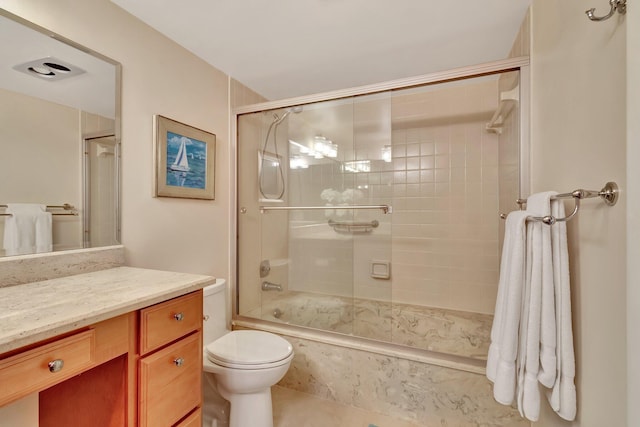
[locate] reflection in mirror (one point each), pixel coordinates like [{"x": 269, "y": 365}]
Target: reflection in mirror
[{"x": 60, "y": 142}]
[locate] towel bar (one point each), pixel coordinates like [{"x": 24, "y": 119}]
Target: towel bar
[
  {"x": 386, "y": 209},
  {"x": 69, "y": 210},
  {"x": 609, "y": 194}
]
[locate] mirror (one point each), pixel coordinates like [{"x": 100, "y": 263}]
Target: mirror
[{"x": 60, "y": 141}]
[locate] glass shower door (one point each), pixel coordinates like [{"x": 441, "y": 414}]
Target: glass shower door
[{"x": 312, "y": 250}]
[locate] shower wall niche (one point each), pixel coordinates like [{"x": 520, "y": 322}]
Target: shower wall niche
[{"x": 382, "y": 220}]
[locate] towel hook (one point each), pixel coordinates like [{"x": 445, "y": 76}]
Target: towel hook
[{"x": 616, "y": 5}]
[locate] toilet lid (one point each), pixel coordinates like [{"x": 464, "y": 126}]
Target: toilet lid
[{"x": 249, "y": 348}]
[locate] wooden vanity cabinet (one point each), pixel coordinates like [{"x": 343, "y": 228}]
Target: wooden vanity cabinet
[
  {"x": 141, "y": 368},
  {"x": 170, "y": 369},
  {"x": 103, "y": 394}
]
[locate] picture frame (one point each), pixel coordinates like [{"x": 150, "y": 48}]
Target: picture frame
[{"x": 184, "y": 159}]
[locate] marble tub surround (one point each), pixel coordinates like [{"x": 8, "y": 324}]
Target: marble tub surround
[
  {"x": 17, "y": 270},
  {"x": 295, "y": 409},
  {"x": 441, "y": 330},
  {"x": 39, "y": 310},
  {"x": 416, "y": 392}
]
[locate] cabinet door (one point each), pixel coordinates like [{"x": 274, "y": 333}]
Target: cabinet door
[{"x": 170, "y": 382}]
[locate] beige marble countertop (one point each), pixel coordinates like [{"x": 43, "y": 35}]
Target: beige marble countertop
[{"x": 39, "y": 310}]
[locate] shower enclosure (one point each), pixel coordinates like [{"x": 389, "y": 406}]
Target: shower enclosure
[{"x": 375, "y": 213}]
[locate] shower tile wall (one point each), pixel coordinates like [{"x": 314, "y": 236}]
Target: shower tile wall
[
  {"x": 445, "y": 198},
  {"x": 443, "y": 183}
]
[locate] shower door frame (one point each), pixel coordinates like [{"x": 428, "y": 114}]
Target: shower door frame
[{"x": 520, "y": 64}]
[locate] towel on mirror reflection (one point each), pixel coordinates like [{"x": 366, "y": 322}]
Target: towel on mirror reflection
[
  {"x": 27, "y": 230},
  {"x": 503, "y": 350}
]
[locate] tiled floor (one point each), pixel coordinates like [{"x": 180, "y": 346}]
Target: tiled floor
[{"x": 295, "y": 409}]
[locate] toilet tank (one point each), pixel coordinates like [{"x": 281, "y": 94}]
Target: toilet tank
[{"x": 214, "y": 311}]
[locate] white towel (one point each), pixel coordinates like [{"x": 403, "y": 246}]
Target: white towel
[
  {"x": 531, "y": 336},
  {"x": 562, "y": 397},
  {"x": 536, "y": 358},
  {"x": 501, "y": 360},
  {"x": 28, "y": 229}
]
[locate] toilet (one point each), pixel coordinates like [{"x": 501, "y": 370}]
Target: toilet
[{"x": 244, "y": 364}]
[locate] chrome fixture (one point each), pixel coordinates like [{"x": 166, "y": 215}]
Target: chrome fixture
[
  {"x": 56, "y": 365},
  {"x": 277, "y": 313},
  {"x": 609, "y": 194},
  {"x": 274, "y": 125},
  {"x": 66, "y": 209},
  {"x": 616, "y": 5},
  {"x": 385, "y": 208},
  {"x": 268, "y": 286},
  {"x": 265, "y": 268}
]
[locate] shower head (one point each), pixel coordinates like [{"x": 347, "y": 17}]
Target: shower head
[{"x": 277, "y": 120}]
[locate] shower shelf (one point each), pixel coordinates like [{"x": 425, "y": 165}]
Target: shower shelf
[{"x": 384, "y": 208}]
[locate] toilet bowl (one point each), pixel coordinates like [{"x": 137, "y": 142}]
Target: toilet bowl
[{"x": 245, "y": 364}]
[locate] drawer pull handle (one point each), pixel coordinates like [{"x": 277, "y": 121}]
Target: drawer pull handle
[
  {"x": 56, "y": 365},
  {"x": 179, "y": 361},
  {"x": 178, "y": 316}
]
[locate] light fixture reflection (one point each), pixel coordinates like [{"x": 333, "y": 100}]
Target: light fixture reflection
[
  {"x": 357, "y": 166},
  {"x": 322, "y": 147},
  {"x": 386, "y": 153},
  {"x": 298, "y": 162}
]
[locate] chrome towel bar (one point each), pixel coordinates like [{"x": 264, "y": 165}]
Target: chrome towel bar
[
  {"x": 609, "y": 194},
  {"x": 67, "y": 208},
  {"x": 385, "y": 208}
]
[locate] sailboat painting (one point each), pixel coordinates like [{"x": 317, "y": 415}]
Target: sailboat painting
[{"x": 185, "y": 160}]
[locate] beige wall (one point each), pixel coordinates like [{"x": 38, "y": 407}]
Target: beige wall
[
  {"x": 158, "y": 77},
  {"x": 578, "y": 141}
]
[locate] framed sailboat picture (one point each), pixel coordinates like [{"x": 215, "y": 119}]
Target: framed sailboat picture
[{"x": 184, "y": 160}]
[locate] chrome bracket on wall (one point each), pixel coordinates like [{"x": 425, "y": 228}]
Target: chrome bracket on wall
[
  {"x": 616, "y": 5},
  {"x": 265, "y": 268}
]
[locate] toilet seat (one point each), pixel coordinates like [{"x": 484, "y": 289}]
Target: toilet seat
[{"x": 248, "y": 349}]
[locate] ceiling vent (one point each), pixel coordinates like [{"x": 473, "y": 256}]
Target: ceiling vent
[{"x": 49, "y": 68}]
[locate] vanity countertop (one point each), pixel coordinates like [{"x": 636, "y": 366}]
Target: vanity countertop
[{"x": 39, "y": 310}]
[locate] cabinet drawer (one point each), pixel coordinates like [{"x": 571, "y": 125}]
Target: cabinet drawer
[
  {"x": 170, "y": 320},
  {"x": 28, "y": 372},
  {"x": 170, "y": 382},
  {"x": 193, "y": 420}
]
